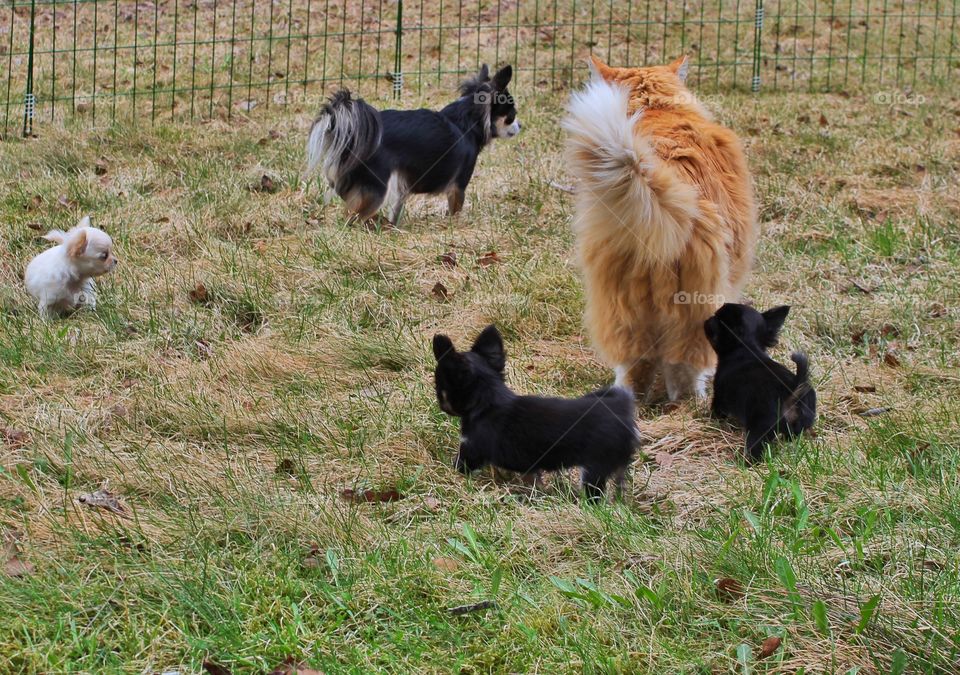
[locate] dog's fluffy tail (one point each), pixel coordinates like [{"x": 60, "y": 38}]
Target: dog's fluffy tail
[
  {"x": 345, "y": 134},
  {"x": 622, "y": 181},
  {"x": 801, "y": 385}
]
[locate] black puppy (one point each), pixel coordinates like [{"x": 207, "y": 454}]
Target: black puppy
[
  {"x": 369, "y": 156},
  {"x": 531, "y": 433},
  {"x": 749, "y": 386}
]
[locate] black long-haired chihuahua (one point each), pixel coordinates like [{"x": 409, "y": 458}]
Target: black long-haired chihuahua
[
  {"x": 369, "y": 157},
  {"x": 528, "y": 434},
  {"x": 749, "y": 386}
]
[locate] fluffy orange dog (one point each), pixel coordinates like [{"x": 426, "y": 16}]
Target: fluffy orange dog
[{"x": 665, "y": 223}]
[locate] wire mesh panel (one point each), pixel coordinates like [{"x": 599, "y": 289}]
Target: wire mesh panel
[{"x": 172, "y": 59}]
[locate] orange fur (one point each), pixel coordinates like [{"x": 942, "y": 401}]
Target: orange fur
[{"x": 664, "y": 207}]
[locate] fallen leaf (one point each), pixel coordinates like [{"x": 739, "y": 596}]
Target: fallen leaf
[
  {"x": 823, "y": 120},
  {"x": 891, "y": 359},
  {"x": 101, "y": 167},
  {"x": 162, "y": 219},
  {"x": 377, "y": 496},
  {"x": 449, "y": 259},
  {"x": 440, "y": 292},
  {"x": 35, "y": 226},
  {"x": 215, "y": 668},
  {"x": 475, "y": 607},
  {"x": 729, "y": 589},
  {"x": 937, "y": 311},
  {"x": 266, "y": 184},
  {"x": 863, "y": 288},
  {"x": 291, "y": 666},
  {"x": 858, "y": 336},
  {"x": 204, "y": 349},
  {"x": 889, "y": 330},
  {"x": 286, "y": 466},
  {"x": 664, "y": 459},
  {"x": 769, "y": 646},
  {"x": 312, "y": 560},
  {"x": 874, "y": 412},
  {"x": 489, "y": 258},
  {"x": 803, "y": 119},
  {"x": 13, "y": 564},
  {"x": 446, "y": 564},
  {"x": 199, "y": 295},
  {"x": 103, "y": 499},
  {"x": 15, "y": 439},
  {"x": 864, "y": 388},
  {"x": 431, "y": 503},
  {"x": 66, "y": 202}
]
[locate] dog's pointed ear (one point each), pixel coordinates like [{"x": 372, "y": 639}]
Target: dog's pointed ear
[
  {"x": 84, "y": 222},
  {"x": 601, "y": 70},
  {"x": 442, "y": 345},
  {"x": 502, "y": 78},
  {"x": 681, "y": 67},
  {"x": 774, "y": 318},
  {"x": 484, "y": 74},
  {"x": 77, "y": 245},
  {"x": 489, "y": 345}
]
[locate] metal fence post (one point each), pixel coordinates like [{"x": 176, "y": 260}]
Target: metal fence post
[
  {"x": 29, "y": 100},
  {"x": 757, "y": 52},
  {"x": 398, "y": 53}
]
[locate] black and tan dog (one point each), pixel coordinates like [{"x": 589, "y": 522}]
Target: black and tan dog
[{"x": 371, "y": 157}]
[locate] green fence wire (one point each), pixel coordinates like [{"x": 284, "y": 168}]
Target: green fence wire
[{"x": 176, "y": 59}]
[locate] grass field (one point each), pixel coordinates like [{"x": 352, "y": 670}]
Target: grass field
[{"x": 254, "y": 356}]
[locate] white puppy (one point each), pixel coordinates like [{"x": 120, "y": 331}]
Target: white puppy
[{"x": 61, "y": 278}]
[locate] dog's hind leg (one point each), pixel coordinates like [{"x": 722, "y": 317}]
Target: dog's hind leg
[
  {"x": 397, "y": 193},
  {"x": 455, "y": 197},
  {"x": 364, "y": 202},
  {"x": 683, "y": 379},
  {"x": 594, "y": 481},
  {"x": 620, "y": 476}
]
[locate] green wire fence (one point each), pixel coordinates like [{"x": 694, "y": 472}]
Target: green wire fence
[{"x": 177, "y": 59}]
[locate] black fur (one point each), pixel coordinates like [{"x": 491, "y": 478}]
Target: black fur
[
  {"x": 761, "y": 394},
  {"x": 430, "y": 152},
  {"x": 528, "y": 434}
]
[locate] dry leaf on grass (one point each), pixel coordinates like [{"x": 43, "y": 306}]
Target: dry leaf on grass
[
  {"x": 101, "y": 167},
  {"x": 13, "y": 564},
  {"x": 103, "y": 499},
  {"x": 489, "y": 258},
  {"x": 874, "y": 412},
  {"x": 215, "y": 668},
  {"x": 66, "y": 202},
  {"x": 475, "y": 607},
  {"x": 291, "y": 666},
  {"x": 199, "y": 294},
  {"x": 891, "y": 359},
  {"x": 445, "y": 564},
  {"x": 352, "y": 495},
  {"x": 823, "y": 120},
  {"x": 286, "y": 466},
  {"x": 35, "y": 226},
  {"x": 864, "y": 388},
  {"x": 769, "y": 646},
  {"x": 449, "y": 259},
  {"x": 729, "y": 589},
  {"x": 15, "y": 439},
  {"x": 440, "y": 292}
]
